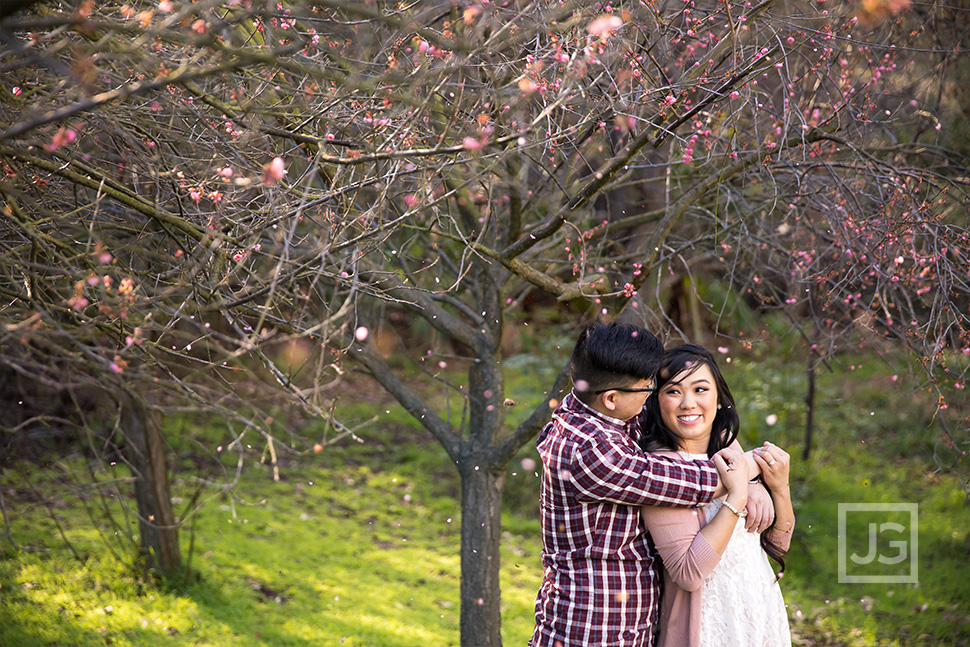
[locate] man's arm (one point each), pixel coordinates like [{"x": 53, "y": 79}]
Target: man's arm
[{"x": 619, "y": 472}]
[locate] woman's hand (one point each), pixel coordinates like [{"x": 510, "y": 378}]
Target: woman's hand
[
  {"x": 775, "y": 463},
  {"x": 733, "y": 472}
]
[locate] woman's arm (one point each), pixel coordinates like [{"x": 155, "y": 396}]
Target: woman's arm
[
  {"x": 690, "y": 552},
  {"x": 732, "y": 469},
  {"x": 687, "y": 554},
  {"x": 754, "y": 468},
  {"x": 775, "y": 465},
  {"x": 780, "y": 532}
]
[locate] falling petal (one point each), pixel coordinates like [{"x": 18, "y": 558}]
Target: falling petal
[{"x": 604, "y": 26}]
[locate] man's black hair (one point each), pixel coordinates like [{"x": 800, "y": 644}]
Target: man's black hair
[{"x": 612, "y": 354}]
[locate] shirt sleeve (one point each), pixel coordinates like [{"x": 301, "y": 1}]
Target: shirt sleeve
[
  {"x": 618, "y": 472},
  {"x": 687, "y": 555}
]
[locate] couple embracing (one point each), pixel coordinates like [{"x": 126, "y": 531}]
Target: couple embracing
[{"x": 646, "y": 494}]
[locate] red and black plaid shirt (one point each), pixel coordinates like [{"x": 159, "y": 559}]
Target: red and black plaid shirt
[{"x": 601, "y": 587}]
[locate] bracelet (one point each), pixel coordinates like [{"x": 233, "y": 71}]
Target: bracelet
[{"x": 742, "y": 514}]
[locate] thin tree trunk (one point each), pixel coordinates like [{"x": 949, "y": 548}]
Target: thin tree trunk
[
  {"x": 809, "y": 407},
  {"x": 481, "y": 534},
  {"x": 156, "y": 519}
]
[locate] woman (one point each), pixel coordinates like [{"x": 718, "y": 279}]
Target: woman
[{"x": 719, "y": 588}]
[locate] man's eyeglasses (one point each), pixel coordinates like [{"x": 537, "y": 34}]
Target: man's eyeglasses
[{"x": 646, "y": 389}]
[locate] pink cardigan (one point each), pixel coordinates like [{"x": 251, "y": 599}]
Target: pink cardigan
[{"x": 688, "y": 558}]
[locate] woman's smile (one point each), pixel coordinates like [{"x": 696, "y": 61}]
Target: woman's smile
[{"x": 688, "y": 405}]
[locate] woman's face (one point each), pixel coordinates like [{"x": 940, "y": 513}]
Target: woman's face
[{"x": 688, "y": 404}]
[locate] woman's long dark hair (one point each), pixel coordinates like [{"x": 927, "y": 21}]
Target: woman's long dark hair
[{"x": 655, "y": 434}]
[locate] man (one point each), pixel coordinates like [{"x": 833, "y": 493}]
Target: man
[{"x": 600, "y": 584}]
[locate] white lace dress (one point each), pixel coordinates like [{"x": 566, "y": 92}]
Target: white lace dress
[{"x": 742, "y": 605}]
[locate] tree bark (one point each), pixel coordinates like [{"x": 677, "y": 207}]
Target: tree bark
[
  {"x": 156, "y": 519},
  {"x": 809, "y": 407},
  {"x": 481, "y": 533}
]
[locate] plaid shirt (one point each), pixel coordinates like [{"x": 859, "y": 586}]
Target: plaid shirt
[{"x": 600, "y": 586}]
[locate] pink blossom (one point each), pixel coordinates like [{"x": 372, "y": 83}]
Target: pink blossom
[
  {"x": 472, "y": 13},
  {"x": 62, "y": 137},
  {"x": 527, "y": 85},
  {"x": 78, "y": 302},
  {"x": 274, "y": 171},
  {"x": 472, "y": 144},
  {"x": 604, "y": 26}
]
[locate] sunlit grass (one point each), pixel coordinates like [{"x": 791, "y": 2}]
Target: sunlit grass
[
  {"x": 360, "y": 557},
  {"x": 873, "y": 443}
]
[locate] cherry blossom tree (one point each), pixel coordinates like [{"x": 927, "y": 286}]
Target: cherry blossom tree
[{"x": 188, "y": 183}]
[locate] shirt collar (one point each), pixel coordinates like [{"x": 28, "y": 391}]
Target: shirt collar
[{"x": 578, "y": 406}]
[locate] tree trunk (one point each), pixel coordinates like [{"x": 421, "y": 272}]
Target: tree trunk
[
  {"x": 156, "y": 519},
  {"x": 481, "y": 534},
  {"x": 809, "y": 407}
]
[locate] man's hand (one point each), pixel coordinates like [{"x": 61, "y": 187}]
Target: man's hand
[{"x": 761, "y": 511}]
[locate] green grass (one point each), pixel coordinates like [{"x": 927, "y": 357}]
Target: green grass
[
  {"x": 330, "y": 555},
  {"x": 873, "y": 443},
  {"x": 358, "y": 544}
]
